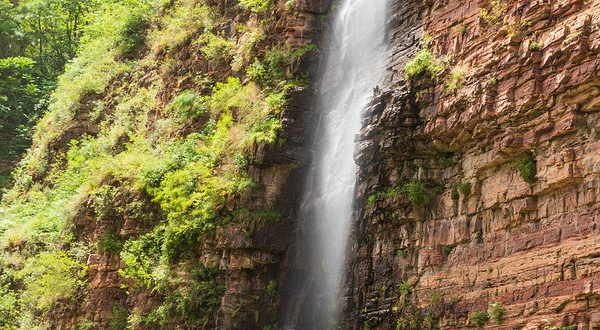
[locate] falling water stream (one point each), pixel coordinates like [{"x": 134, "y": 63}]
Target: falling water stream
[{"x": 353, "y": 68}]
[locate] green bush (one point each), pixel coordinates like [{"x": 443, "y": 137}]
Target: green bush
[
  {"x": 272, "y": 287},
  {"x": 424, "y": 63},
  {"x": 479, "y": 319},
  {"x": 455, "y": 195},
  {"x": 496, "y": 312},
  {"x": 496, "y": 14},
  {"x": 180, "y": 24},
  {"x": 86, "y": 325},
  {"x": 465, "y": 189},
  {"x": 217, "y": 49},
  {"x": 405, "y": 288},
  {"x": 192, "y": 304},
  {"x": 110, "y": 242},
  {"x": 417, "y": 193},
  {"x": 527, "y": 167},
  {"x": 131, "y": 36},
  {"x": 257, "y": 6},
  {"x": 119, "y": 319},
  {"x": 455, "y": 80},
  {"x": 566, "y": 327},
  {"x": 187, "y": 105},
  {"x": 536, "y": 45},
  {"x": 49, "y": 277},
  {"x": 401, "y": 253}
]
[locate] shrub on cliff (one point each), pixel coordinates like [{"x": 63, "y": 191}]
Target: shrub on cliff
[
  {"x": 417, "y": 193},
  {"x": 527, "y": 167},
  {"x": 257, "y": 6},
  {"x": 496, "y": 312},
  {"x": 454, "y": 81},
  {"x": 424, "y": 63},
  {"x": 479, "y": 319},
  {"x": 49, "y": 277}
]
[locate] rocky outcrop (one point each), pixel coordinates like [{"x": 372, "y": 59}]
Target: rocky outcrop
[{"x": 489, "y": 243}]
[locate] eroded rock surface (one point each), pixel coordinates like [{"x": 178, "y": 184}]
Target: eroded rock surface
[{"x": 530, "y": 91}]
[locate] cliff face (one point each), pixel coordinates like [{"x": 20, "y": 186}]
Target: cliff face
[{"x": 477, "y": 202}]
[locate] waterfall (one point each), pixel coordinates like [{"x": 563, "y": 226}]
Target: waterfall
[{"x": 353, "y": 68}]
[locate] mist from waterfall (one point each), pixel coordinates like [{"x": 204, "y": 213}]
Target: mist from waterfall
[{"x": 353, "y": 68}]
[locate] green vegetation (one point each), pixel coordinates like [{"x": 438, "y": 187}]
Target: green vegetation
[
  {"x": 496, "y": 14},
  {"x": 50, "y": 277},
  {"x": 447, "y": 249},
  {"x": 527, "y": 167},
  {"x": 401, "y": 253},
  {"x": 119, "y": 318},
  {"x": 390, "y": 193},
  {"x": 257, "y": 6},
  {"x": 455, "y": 195},
  {"x": 455, "y": 80},
  {"x": 479, "y": 319},
  {"x": 166, "y": 150},
  {"x": 566, "y": 327},
  {"x": 536, "y": 45},
  {"x": 405, "y": 288},
  {"x": 424, "y": 64},
  {"x": 465, "y": 189},
  {"x": 417, "y": 193},
  {"x": 37, "y": 39},
  {"x": 496, "y": 312},
  {"x": 272, "y": 287},
  {"x": 462, "y": 29}
]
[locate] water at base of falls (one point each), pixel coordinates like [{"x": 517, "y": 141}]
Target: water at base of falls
[{"x": 353, "y": 68}]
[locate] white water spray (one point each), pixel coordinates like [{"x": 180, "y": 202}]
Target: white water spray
[{"x": 353, "y": 69}]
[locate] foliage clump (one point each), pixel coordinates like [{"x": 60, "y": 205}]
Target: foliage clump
[
  {"x": 465, "y": 189},
  {"x": 496, "y": 14},
  {"x": 527, "y": 167},
  {"x": 257, "y": 6},
  {"x": 455, "y": 80},
  {"x": 479, "y": 319},
  {"x": 496, "y": 312},
  {"x": 417, "y": 193},
  {"x": 49, "y": 277},
  {"x": 424, "y": 63}
]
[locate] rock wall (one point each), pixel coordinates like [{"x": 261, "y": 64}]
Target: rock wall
[{"x": 490, "y": 249}]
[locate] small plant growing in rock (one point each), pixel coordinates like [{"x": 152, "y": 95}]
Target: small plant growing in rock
[
  {"x": 465, "y": 189},
  {"x": 462, "y": 29},
  {"x": 456, "y": 78},
  {"x": 536, "y": 45},
  {"x": 401, "y": 324},
  {"x": 455, "y": 194},
  {"x": 424, "y": 63},
  {"x": 527, "y": 168},
  {"x": 496, "y": 312},
  {"x": 566, "y": 327},
  {"x": 479, "y": 319},
  {"x": 417, "y": 193},
  {"x": 272, "y": 287},
  {"x": 494, "y": 80},
  {"x": 257, "y": 6},
  {"x": 495, "y": 15},
  {"x": 401, "y": 253},
  {"x": 405, "y": 288},
  {"x": 434, "y": 298},
  {"x": 447, "y": 249}
]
